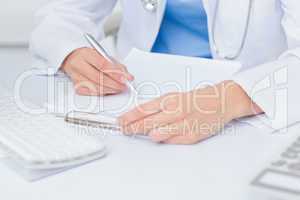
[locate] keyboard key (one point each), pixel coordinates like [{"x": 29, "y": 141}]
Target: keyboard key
[{"x": 43, "y": 141}]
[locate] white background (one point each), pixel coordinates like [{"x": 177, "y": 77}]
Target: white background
[{"x": 16, "y": 20}]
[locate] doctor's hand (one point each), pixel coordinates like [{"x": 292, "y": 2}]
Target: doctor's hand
[
  {"x": 93, "y": 75},
  {"x": 188, "y": 118}
]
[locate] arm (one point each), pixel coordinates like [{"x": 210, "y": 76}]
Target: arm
[
  {"x": 274, "y": 86},
  {"x": 58, "y": 43},
  {"x": 60, "y": 28}
]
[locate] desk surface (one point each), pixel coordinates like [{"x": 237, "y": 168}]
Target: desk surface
[{"x": 219, "y": 168}]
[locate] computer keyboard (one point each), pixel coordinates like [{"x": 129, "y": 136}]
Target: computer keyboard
[
  {"x": 44, "y": 141},
  {"x": 281, "y": 178}
]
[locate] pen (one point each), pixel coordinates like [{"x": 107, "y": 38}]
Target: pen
[{"x": 93, "y": 42}]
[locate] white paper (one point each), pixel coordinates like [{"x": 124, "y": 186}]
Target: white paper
[{"x": 155, "y": 75}]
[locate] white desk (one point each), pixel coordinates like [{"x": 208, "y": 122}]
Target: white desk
[{"x": 219, "y": 168}]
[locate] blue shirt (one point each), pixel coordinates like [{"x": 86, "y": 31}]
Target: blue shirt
[{"x": 184, "y": 30}]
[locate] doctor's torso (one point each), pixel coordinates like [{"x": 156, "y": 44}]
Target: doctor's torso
[{"x": 140, "y": 28}]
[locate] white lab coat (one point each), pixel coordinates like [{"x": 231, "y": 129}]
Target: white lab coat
[{"x": 271, "y": 52}]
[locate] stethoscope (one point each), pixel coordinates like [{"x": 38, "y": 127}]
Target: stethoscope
[{"x": 151, "y": 6}]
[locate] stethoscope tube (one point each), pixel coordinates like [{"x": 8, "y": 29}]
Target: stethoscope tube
[{"x": 238, "y": 52}]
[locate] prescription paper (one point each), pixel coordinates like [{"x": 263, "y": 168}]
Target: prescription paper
[{"x": 155, "y": 75}]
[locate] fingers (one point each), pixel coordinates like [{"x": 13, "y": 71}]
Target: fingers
[
  {"x": 114, "y": 70},
  {"x": 166, "y": 132},
  {"x": 85, "y": 64},
  {"x": 86, "y": 91},
  {"x": 120, "y": 73},
  {"x": 161, "y": 111},
  {"x": 167, "y": 103},
  {"x": 181, "y": 140},
  {"x": 151, "y": 122},
  {"x": 99, "y": 77},
  {"x": 187, "y": 131},
  {"x": 84, "y": 86},
  {"x": 185, "y": 140},
  {"x": 140, "y": 112}
]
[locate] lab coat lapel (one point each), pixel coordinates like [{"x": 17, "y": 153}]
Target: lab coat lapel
[
  {"x": 161, "y": 6},
  {"x": 210, "y": 6},
  {"x": 229, "y": 24}
]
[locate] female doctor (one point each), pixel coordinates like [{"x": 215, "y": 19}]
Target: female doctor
[{"x": 264, "y": 35}]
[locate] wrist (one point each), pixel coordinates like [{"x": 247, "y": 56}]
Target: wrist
[{"x": 238, "y": 102}]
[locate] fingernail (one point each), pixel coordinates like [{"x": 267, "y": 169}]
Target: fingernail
[
  {"x": 128, "y": 77},
  {"x": 154, "y": 137},
  {"x": 131, "y": 77},
  {"x": 125, "y": 80}
]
